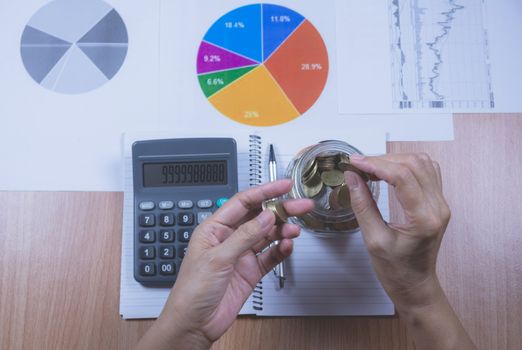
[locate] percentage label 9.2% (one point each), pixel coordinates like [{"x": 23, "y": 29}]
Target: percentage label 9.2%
[{"x": 211, "y": 58}]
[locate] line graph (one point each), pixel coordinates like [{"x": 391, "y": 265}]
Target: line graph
[{"x": 440, "y": 54}]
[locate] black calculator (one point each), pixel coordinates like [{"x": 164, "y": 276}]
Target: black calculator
[{"x": 178, "y": 183}]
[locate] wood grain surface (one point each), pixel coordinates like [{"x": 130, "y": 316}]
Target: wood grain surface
[{"x": 60, "y": 261}]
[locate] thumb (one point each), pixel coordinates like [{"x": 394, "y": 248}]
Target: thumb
[{"x": 368, "y": 215}]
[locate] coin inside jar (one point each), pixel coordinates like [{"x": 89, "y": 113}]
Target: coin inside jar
[
  {"x": 326, "y": 163},
  {"x": 340, "y": 198},
  {"x": 276, "y": 207},
  {"x": 313, "y": 190},
  {"x": 333, "y": 178},
  {"x": 345, "y": 165}
]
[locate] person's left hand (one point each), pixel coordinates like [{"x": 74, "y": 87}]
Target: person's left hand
[{"x": 225, "y": 260}]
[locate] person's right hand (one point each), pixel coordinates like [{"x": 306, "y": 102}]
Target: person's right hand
[{"x": 403, "y": 254}]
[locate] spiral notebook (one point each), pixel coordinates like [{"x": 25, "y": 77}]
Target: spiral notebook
[{"x": 324, "y": 276}]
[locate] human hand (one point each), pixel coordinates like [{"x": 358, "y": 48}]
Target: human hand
[
  {"x": 404, "y": 254},
  {"x": 224, "y": 262}
]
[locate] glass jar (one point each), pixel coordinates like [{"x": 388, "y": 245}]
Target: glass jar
[{"x": 326, "y": 219}]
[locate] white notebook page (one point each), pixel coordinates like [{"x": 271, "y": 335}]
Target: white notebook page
[{"x": 327, "y": 276}]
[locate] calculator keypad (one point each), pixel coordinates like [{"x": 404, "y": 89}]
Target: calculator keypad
[{"x": 165, "y": 229}]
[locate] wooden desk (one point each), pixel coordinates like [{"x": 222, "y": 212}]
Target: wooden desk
[{"x": 60, "y": 261}]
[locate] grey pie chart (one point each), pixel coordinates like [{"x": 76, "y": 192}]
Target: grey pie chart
[{"x": 74, "y": 46}]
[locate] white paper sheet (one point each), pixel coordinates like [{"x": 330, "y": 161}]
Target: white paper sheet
[
  {"x": 51, "y": 141},
  {"x": 55, "y": 141}
]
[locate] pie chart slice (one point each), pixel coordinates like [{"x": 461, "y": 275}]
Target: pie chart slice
[
  {"x": 255, "y": 98},
  {"x": 239, "y": 31},
  {"x": 93, "y": 57},
  {"x": 262, "y": 65},
  {"x": 300, "y": 66}
]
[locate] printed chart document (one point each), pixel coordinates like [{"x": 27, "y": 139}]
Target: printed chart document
[
  {"x": 429, "y": 56},
  {"x": 230, "y": 48},
  {"x": 324, "y": 276}
]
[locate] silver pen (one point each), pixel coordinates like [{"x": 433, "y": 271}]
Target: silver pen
[{"x": 279, "y": 270}]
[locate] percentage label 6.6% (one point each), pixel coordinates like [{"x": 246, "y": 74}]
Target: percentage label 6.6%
[{"x": 215, "y": 82}]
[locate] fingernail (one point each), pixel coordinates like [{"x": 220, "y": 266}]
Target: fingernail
[
  {"x": 351, "y": 180},
  {"x": 265, "y": 218},
  {"x": 356, "y": 157}
]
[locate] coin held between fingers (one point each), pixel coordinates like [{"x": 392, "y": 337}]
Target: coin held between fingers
[{"x": 276, "y": 207}]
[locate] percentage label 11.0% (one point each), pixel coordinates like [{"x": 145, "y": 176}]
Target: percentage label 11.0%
[{"x": 280, "y": 19}]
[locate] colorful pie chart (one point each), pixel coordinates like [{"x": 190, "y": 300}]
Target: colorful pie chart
[{"x": 262, "y": 65}]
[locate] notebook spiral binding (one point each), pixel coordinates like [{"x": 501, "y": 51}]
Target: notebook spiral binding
[
  {"x": 255, "y": 178},
  {"x": 255, "y": 161}
]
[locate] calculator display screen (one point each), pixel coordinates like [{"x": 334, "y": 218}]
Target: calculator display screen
[{"x": 204, "y": 173}]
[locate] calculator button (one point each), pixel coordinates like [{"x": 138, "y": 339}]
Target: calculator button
[
  {"x": 205, "y": 204},
  {"x": 167, "y": 252},
  {"x": 184, "y": 235},
  {"x": 147, "y": 205},
  {"x": 167, "y": 220},
  {"x": 166, "y": 205},
  {"x": 167, "y": 268},
  {"x": 221, "y": 201},
  {"x": 147, "y": 220},
  {"x": 148, "y": 236},
  {"x": 185, "y": 204},
  {"x": 148, "y": 269},
  {"x": 182, "y": 250},
  {"x": 203, "y": 215},
  {"x": 166, "y": 236},
  {"x": 186, "y": 219},
  {"x": 147, "y": 253}
]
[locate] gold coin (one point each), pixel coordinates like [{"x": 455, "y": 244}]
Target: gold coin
[
  {"x": 333, "y": 178},
  {"x": 276, "y": 207},
  {"x": 310, "y": 175},
  {"x": 344, "y": 164},
  {"x": 340, "y": 198},
  {"x": 313, "y": 181},
  {"x": 313, "y": 190},
  {"x": 310, "y": 169},
  {"x": 326, "y": 163}
]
